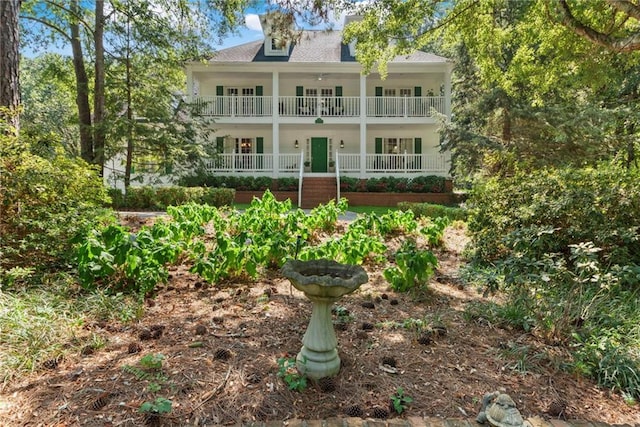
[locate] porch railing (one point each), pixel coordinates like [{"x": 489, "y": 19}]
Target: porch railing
[
  {"x": 404, "y": 106},
  {"x": 304, "y": 106},
  {"x": 239, "y": 162},
  {"x": 234, "y": 106},
  {"x": 290, "y": 163},
  {"x": 301, "y": 106},
  {"x": 395, "y": 163}
]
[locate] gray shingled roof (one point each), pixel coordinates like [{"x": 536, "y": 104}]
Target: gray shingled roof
[{"x": 313, "y": 47}]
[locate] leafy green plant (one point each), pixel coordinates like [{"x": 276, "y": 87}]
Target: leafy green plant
[
  {"x": 159, "y": 406},
  {"x": 152, "y": 361},
  {"x": 413, "y": 267},
  {"x": 400, "y": 401},
  {"x": 288, "y": 371},
  {"x": 149, "y": 368}
]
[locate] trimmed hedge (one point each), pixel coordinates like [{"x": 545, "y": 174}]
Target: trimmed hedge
[
  {"x": 434, "y": 211},
  {"x": 392, "y": 184},
  {"x": 420, "y": 184},
  {"x": 147, "y": 197},
  {"x": 240, "y": 183}
]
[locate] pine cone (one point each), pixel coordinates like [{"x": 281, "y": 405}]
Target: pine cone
[
  {"x": 557, "y": 407},
  {"x": 327, "y": 384},
  {"x": 354, "y": 411},
  {"x": 134, "y": 347},
  {"x": 222, "y": 354},
  {"x": 380, "y": 413},
  {"x": 368, "y": 304},
  {"x": 425, "y": 339},
  {"x": 366, "y": 326},
  {"x": 201, "y": 330},
  {"x": 394, "y": 302},
  {"x": 50, "y": 364},
  {"x": 388, "y": 360}
]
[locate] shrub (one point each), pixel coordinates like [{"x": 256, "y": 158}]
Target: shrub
[
  {"x": 287, "y": 184},
  {"x": 47, "y": 200},
  {"x": 162, "y": 197},
  {"x": 565, "y": 246},
  {"x": 349, "y": 184},
  {"x": 431, "y": 210},
  {"x": 219, "y": 197},
  {"x": 559, "y": 208}
]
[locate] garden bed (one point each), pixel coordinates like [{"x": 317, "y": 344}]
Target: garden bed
[{"x": 221, "y": 346}]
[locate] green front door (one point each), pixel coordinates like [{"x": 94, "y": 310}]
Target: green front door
[{"x": 319, "y": 154}]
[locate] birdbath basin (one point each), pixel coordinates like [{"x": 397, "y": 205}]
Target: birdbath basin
[{"x": 324, "y": 282}]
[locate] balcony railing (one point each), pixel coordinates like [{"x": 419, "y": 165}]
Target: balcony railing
[
  {"x": 404, "y": 106},
  {"x": 301, "y": 106},
  {"x": 375, "y": 164},
  {"x": 305, "y": 106},
  {"x": 234, "y": 106}
]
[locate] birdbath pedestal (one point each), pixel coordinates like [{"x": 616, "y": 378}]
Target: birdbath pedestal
[{"x": 324, "y": 282}]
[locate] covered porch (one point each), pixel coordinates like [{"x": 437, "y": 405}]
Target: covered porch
[{"x": 361, "y": 165}]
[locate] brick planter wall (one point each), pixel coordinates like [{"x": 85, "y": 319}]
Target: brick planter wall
[
  {"x": 360, "y": 199},
  {"x": 392, "y": 199}
]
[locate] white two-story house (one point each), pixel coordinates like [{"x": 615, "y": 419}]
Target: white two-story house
[{"x": 306, "y": 109}]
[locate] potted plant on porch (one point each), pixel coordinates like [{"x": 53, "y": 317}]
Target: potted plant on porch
[{"x": 307, "y": 165}]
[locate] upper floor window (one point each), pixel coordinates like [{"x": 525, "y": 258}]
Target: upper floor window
[{"x": 277, "y": 44}]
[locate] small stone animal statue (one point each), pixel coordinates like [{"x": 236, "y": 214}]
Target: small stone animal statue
[{"x": 500, "y": 410}]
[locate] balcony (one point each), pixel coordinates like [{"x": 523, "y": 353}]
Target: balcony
[{"x": 306, "y": 106}]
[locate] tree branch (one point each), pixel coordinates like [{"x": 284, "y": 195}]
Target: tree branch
[
  {"x": 619, "y": 44},
  {"x": 72, "y": 14},
  {"x": 47, "y": 24},
  {"x": 627, "y": 7}
]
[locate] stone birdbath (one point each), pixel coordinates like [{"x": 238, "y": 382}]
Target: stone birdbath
[{"x": 324, "y": 282}]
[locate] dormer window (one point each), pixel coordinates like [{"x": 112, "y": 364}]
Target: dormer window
[
  {"x": 276, "y": 31},
  {"x": 277, "y": 44}
]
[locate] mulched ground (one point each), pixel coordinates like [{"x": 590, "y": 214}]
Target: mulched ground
[{"x": 221, "y": 346}]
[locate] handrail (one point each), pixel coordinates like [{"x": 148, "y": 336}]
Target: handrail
[
  {"x": 337, "y": 176},
  {"x": 300, "y": 178}
]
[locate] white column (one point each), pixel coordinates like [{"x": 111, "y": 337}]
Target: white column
[
  {"x": 363, "y": 124},
  {"x": 275, "y": 129},
  {"x": 189, "y": 88},
  {"x": 447, "y": 92}
]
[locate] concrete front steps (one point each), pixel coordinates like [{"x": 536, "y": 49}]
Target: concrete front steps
[{"x": 317, "y": 190}]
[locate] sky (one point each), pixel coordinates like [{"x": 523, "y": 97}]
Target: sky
[{"x": 250, "y": 31}]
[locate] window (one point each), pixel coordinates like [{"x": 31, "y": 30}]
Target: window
[
  {"x": 277, "y": 44},
  {"x": 244, "y": 145},
  {"x": 406, "y": 92},
  {"x": 398, "y": 145},
  {"x": 389, "y": 92},
  {"x": 244, "y": 150}
]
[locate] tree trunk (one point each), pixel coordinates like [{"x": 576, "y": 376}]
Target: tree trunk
[
  {"x": 129, "y": 160},
  {"x": 82, "y": 88},
  {"x": 9, "y": 61},
  {"x": 98, "y": 89}
]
